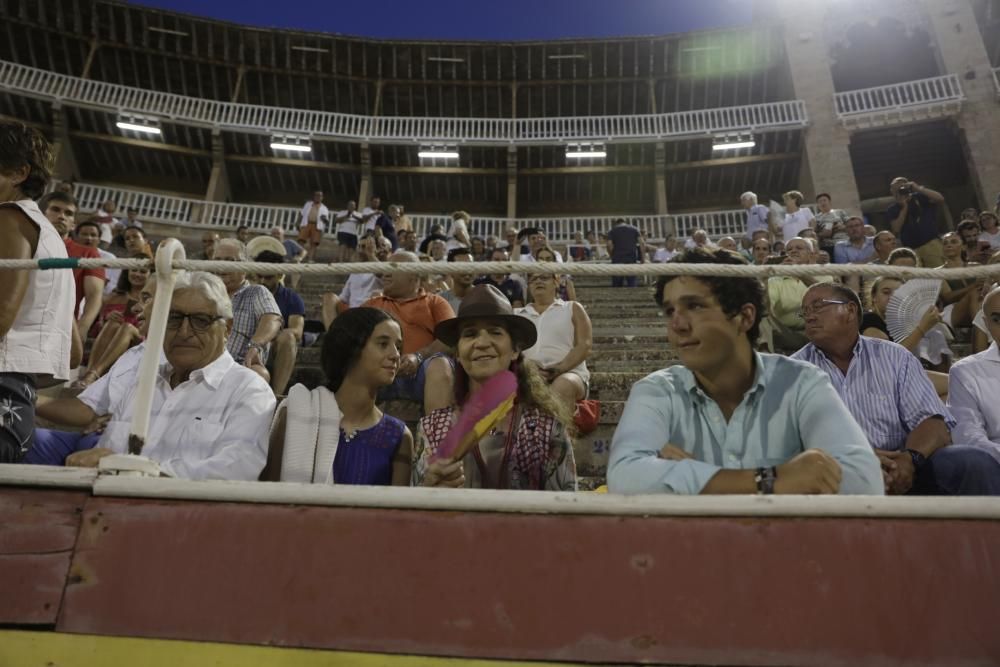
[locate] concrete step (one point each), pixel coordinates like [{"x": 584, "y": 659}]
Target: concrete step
[{"x": 613, "y": 386}]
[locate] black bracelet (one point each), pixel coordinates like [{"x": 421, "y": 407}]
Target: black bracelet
[{"x": 764, "y": 479}]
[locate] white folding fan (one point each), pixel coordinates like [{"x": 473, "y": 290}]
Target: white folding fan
[{"x": 908, "y": 304}]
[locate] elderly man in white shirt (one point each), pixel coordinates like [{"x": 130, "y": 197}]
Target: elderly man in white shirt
[
  {"x": 973, "y": 385},
  {"x": 210, "y": 415}
]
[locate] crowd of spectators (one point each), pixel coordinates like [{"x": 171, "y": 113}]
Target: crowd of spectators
[{"x": 784, "y": 385}]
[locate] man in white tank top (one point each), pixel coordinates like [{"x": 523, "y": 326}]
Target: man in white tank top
[{"x": 36, "y": 307}]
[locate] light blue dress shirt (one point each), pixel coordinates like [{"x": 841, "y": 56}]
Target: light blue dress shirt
[{"x": 790, "y": 408}]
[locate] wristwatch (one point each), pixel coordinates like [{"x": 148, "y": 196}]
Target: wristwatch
[
  {"x": 764, "y": 479},
  {"x": 918, "y": 459}
]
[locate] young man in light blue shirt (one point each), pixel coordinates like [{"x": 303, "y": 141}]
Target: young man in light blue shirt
[{"x": 729, "y": 419}]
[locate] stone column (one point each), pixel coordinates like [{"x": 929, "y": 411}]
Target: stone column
[
  {"x": 64, "y": 161},
  {"x": 962, "y": 52},
  {"x": 365, "y": 190},
  {"x": 218, "y": 189},
  {"x": 826, "y": 160},
  {"x": 511, "y": 182}
]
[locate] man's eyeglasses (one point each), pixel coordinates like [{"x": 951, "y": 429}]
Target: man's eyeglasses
[
  {"x": 818, "y": 306},
  {"x": 197, "y": 322}
]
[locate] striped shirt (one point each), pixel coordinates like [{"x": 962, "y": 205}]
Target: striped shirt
[
  {"x": 885, "y": 388},
  {"x": 790, "y": 408}
]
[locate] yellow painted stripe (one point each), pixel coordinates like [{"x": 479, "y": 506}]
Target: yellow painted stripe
[{"x": 54, "y": 649}]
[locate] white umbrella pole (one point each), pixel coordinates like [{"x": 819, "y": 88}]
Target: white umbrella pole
[{"x": 167, "y": 252}]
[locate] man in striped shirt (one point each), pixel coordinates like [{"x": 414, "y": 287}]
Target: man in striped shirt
[{"x": 889, "y": 395}]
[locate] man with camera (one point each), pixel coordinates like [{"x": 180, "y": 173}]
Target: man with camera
[{"x": 913, "y": 218}]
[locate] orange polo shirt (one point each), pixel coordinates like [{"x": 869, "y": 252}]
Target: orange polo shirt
[{"x": 417, "y": 317}]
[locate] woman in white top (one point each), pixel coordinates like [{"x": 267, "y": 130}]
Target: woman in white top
[
  {"x": 36, "y": 307},
  {"x": 796, "y": 218},
  {"x": 990, "y": 230},
  {"x": 565, "y": 336}
]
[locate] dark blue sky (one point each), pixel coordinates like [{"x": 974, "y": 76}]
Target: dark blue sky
[{"x": 474, "y": 19}]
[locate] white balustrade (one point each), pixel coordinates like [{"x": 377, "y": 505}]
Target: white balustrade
[
  {"x": 260, "y": 219},
  {"x": 909, "y": 95},
  {"x": 112, "y": 97}
]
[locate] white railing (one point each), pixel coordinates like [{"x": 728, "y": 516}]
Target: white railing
[
  {"x": 112, "y": 97},
  {"x": 898, "y": 96},
  {"x": 167, "y": 209}
]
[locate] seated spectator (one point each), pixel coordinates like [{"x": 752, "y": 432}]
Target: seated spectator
[
  {"x": 536, "y": 241},
  {"x": 733, "y": 420},
  {"x": 785, "y": 296},
  {"x": 903, "y": 257},
  {"x": 36, "y": 307},
  {"x": 243, "y": 234},
  {"x": 778, "y": 248},
  {"x": 435, "y": 246},
  {"x": 478, "y": 249},
  {"x": 870, "y": 231},
  {"x": 285, "y": 346},
  {"x": 667, "y": 251},
  {"x": 831, "y": 223},
  {"x": 856, "y": 248},
  {"x": 578, "y": 249},
  {"x": 567, "y": 290},
  {"x": 565, "y": 338},
  {"x": 887, "y": 392},
  {"x": 425, "y": 373},
  {"x": 491, "y": 245},
  {"x": 970, "y": 213},
  {"x": 510, "y": 240},
  {"x": 401, "y": 221},
  {"x": 131, "y": 218},
  {"x": 407, "y": 240},
  {"x": 256, "y": 316},
  {"x": 60, "y": 210},
  {"x": 598, "y": 245},
  {"x": 359, "y": 286},
  {"x": 959, "y": 296},
  {"x": 990, "y": 231},
  {"x": 699, "y": 239},
  {"x": 335, "y": 434},
  {"x": 508, "y": 285},
  {"x": 884, "y": 243},
  {"x": 118, "y": 325},
  {"x": 729, "y": 243},
  {"x": 210, "y": 415},
  {"x": 973, "y": 250},
  {"x": 294, "y": 253},
  {"x": 973, "y": 385},
  {"x": 461, "y": 283},
  {"x": 760, "y": 250},
  {"x": 208, "y": 241},
  {"x": 528, "y": 446}
]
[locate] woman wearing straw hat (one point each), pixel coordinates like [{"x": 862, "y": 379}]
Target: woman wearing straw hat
[{"x": 508, "y": 430}]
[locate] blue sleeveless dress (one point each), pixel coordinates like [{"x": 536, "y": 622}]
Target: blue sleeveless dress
[{"x": 366, "y": 458}]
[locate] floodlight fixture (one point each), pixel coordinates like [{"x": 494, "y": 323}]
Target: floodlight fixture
[
  {"x": 444, "y": 59},
  {"x": 310, "y": 49},
  {"x": 167, "y": 31},
  {"x": 566, "y": 56}
]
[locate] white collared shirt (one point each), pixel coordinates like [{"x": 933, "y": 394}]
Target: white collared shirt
[
  {"x": 973, "y": 387},
  {"x": 212, "y": 426}
]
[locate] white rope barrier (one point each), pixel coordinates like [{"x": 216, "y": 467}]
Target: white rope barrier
[{"x": 490, "y": 268}]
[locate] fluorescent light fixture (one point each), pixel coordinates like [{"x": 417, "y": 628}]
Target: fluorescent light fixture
[
  {"x": 586, "y": 151},
  {"x": 445, "y": 59},
  {"x": 310, "y": 49},
  {"x": 137, "y": 126},
  {"x": 731, "y": 145},
  {"x": 298, "y": 148},
  {"x": 294, "y": 143},
  {"x": 437, "y": 153},
  {"x": 567, "y": 56},
  {"x": 167, "y": 31}
]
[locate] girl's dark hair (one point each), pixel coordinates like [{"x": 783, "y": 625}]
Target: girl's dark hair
[
  {"x": 23, "y": 146},
  {"x": 903, "y": 252},
  {"x": 124, "y": 285},
  {"x": 345, "y": 339},
  {"x": 731, "y": 293}
]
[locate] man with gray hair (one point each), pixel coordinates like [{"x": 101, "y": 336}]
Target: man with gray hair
[
  {"x": 256, "y": 315},
  {"x": 210, "y": 415},
  {"x": 757, "y": 214}
]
